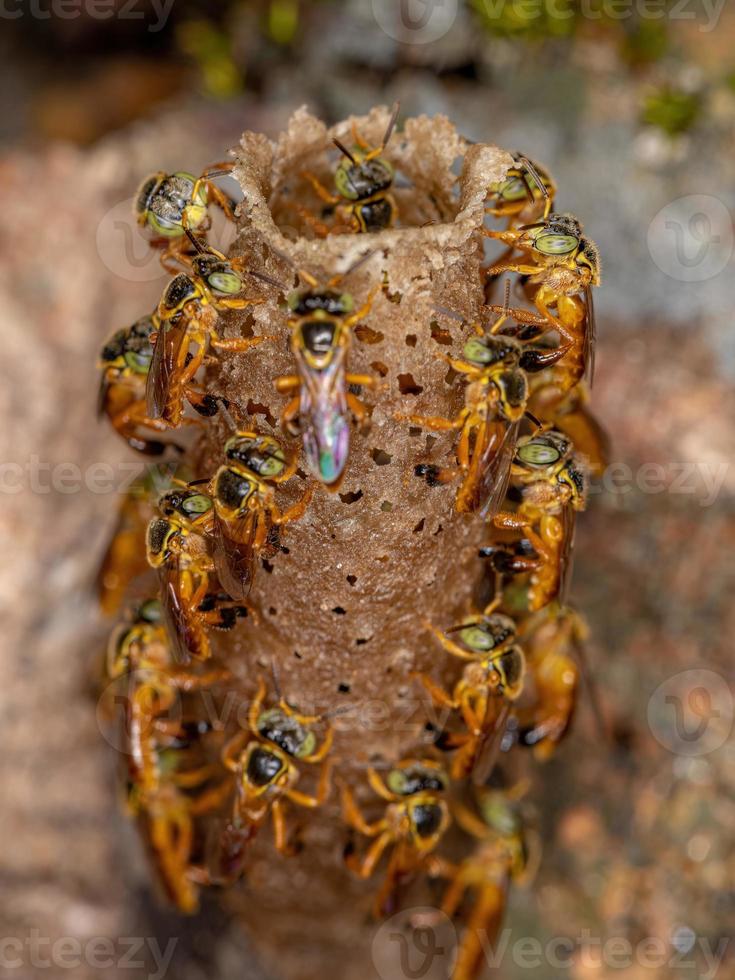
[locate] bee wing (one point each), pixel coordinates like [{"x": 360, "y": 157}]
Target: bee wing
[
  {"x": 494, "y": 474},
  {"x": 166, "y": 353},
  {"x": 183, "y": 639},
  {"x": 490, "y": 744},
  {"x": 325, "y": 427},
  {"x": 566, "y": 554},
  {"x": 590, "y": 336},
  {"x": 234, "y": 556}
]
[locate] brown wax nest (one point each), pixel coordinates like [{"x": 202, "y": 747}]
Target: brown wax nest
[{"x": 342, "y": 614}]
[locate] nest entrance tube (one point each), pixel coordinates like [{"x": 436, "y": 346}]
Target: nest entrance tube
[{"x": 342, "y": 608}]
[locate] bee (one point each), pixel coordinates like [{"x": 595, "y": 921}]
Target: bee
[
  {"x": 491, "y": 681},
  {"x": 124, "y": 559},
  {"x": 125, "y": 361},
  {"x": 415, "y": 820},
  {"x": 363, "y": 180},
  {"x": 320, "y": 320},
  {"x": 496, "y": 397},
  {"x": 507, "y": 852},
  {"x": 188, "y": 314},
  {"x": 172, "y": 204},
  {"x": 178, "y": 547},
  {"x": 266, "y": 759},
  {"x": 245, "y": 507},
  {"x": 552, "y": 481},
  {"x": 552, "y": 644},
  {"x": 156, "y": 776},
  {"x": 526, "y": 187},
  {"x": 563, "y": 265}
]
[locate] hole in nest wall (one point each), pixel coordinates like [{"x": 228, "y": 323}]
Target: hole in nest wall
[
  {"x": 379, "y": 368},
  {"x": 431, "y": 441},
  {"x": 267, "y": 566},
  {"x": 257, "y": 408},
  {"x": 450, "y": 375},
  {"x": 420, "y": 526},
  {"x": 343, "y": 688},
  {"x": 411, "y": 339},
  {"x": 380, "y": 457},
  {"x": 351, "y": 497},
  {"x": 367, "y": 335},
  {"x": 439, "y": 335},
  {"x": 386, "y": 506},
  {"x": 362, "y": 641},
  {"x": 351, "y": 579},
  {"x": 408, "y": 386},
  {"x": 339, "y": 611},
  {"x": 414, "y": 431}
]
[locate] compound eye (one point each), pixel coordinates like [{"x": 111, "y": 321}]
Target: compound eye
[
  {"x": 139, "y": 362},
  {"x": 538, "y": 454},
  {"x": 225, "y": 282},
  {"x": 396, "y": 782},
  {"x": 477, "y": 638},
  {"x": 197, "y": 504},
  {"x": 274, "y": 461},
  {"x": 477, "y": 352},
  {"x": 346, "y": 302},
  {"x": 551, "y": 243},
  {"x": 343, "y": 182},
  {"x": 514, "y": 189},
  {"x": 293, "y": 300},
  {"x": 308, "y": 746},
  {"x": 151, "y": 611}
]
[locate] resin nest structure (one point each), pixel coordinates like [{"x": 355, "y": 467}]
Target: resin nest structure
[{"x": 349, "y": 639}]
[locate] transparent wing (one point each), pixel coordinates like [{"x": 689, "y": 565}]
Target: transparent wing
[{"x": 164, "y": 365}]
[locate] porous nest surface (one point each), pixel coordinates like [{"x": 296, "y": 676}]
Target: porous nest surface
[{"x": 342, "y": 615}]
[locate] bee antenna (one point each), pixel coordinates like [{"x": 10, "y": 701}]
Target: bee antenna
[
  {"x": 195, "y": 241},
  {"x": 343, "y": 149},
  {"x": 505, "y": 311},
  {"x": 449, "y": 313},
  {"x": 529, "y": 415},
  {"x": 530, "y": 169},
  {"x": 226, "y": 415},
  {"x": 264, "y": 277},
  {"x": 391, "y": 124},
  {"x": 356, "y": 265},
  {"x": 276, "y": 680}
]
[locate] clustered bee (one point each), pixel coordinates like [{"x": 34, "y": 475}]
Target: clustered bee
[{"x": 523, "y": 447}]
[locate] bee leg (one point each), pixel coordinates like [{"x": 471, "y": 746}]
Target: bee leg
[
  {"x": 280, "y": 836},
  {"x": 504, "y": 520},
  {"x": 255, "y": 706},
  {"x": 366, "y": 867},
  {"x": 357, "y": 408},
  {"x": 298, "y": 510},
  {"x": 433, "y": 422},
  {"x": 240, "y": 344},
  {"x": 191, "y": 778},
  {"x": 236, "y": 303},
  {"x": 211, "y": 800},
  {"x": 481, "y": 926},
  {"x": 366, "y": 380},
  {"x": 287, "y": 382},
  {"x": 232, "y": 750},
  {"x": 360, "y": 314},
  {"x": 353, "y": 816},
  {"x": 320, "y": 189},
  {"x": 290, "y": 415},
  {"x": 449, "y": 646},
  {"x": 317, "y": 226},
  {"x": 438, "y": 695},
  {"x": 454, "y": 893}
]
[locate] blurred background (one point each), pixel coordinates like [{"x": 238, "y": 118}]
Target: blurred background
[{"x": 631, "y": 104}]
